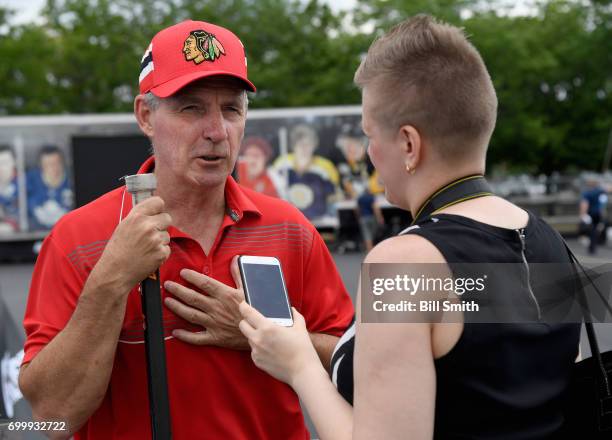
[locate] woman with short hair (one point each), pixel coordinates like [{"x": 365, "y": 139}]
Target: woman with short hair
[{"x": 429, "y": 109}]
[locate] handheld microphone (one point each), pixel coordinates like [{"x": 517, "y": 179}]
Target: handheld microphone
[{"x": 141, "y": 187}]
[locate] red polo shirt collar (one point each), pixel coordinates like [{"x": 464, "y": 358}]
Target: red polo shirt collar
[{"x": 237, "y": 202}]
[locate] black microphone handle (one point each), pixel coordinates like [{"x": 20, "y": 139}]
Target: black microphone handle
[
  {"x": 141, "y": 187},
  {"x": 159, "y": 408}
]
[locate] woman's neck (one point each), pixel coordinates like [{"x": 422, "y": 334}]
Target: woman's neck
[{"x": 428, "y": 183}]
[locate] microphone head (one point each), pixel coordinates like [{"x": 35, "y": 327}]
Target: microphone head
[{"x": 141, "y": 182}]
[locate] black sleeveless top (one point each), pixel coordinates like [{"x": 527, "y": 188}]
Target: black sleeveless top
[{"x": 500, "y": 381}]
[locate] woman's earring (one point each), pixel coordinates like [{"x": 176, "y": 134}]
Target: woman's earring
[{"x": 410, "y": 171}]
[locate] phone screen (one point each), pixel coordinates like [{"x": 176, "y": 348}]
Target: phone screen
[{"x": 266, "y": 290}]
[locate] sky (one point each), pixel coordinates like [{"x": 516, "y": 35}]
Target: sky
[{"x": 27, "y": 11}]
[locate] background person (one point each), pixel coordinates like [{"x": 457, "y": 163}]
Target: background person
[
  {"x": 313, "y": 180},
  {"x": 50, "y": 194},
  {"x": 592, "y": 207},
  {"x": 84, "y": 359},
  {"x": 355, "y": 178},
  {"x": 424, "y": 380},
  {"x": 252, "y": 166},
  {"x": 9, "y": 194}
]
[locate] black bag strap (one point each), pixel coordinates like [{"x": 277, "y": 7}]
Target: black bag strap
[{"x": 599, "y": 367}]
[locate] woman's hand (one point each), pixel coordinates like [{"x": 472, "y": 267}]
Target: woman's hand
[{"x": 285, "y": 353}]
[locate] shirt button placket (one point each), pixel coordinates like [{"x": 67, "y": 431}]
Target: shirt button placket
[{"x": 207, "y": 268}]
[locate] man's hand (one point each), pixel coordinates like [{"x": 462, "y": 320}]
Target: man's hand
[
  {"x": 216, "y": 310},
  {"x": 139, "y": 245}
]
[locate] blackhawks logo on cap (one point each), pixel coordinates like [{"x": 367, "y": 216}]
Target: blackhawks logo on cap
[{"x": 202, "y": 46}]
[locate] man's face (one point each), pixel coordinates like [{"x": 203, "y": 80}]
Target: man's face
[
  {"x": 304, "y": 148},
  {"x": 52, "y": 166},
  {"x": 7, "y": 167},
  {"x": 196, "y": 134}
]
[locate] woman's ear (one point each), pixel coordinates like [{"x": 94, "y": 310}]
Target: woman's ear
[
  {"x": 143, "y": 115},
  {"x": 411, "y": 144}
]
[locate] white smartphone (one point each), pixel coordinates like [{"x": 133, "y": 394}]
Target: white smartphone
[{"x": 264, "y": 288}]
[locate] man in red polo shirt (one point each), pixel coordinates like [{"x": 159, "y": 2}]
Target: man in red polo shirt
[{"x": 84, "y": 358}]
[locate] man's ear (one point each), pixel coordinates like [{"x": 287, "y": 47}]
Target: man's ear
[
  {"x": 411, "y": 143},
  {"x": 143, "y": 115}
]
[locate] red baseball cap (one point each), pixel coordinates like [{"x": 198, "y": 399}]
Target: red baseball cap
[{"x": 188, "y": 51}]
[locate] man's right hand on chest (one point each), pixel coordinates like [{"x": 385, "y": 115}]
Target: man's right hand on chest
[{"x": 138, "y": 247}]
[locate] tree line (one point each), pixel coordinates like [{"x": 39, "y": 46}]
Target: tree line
[{"x": 552, "y": 67}]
